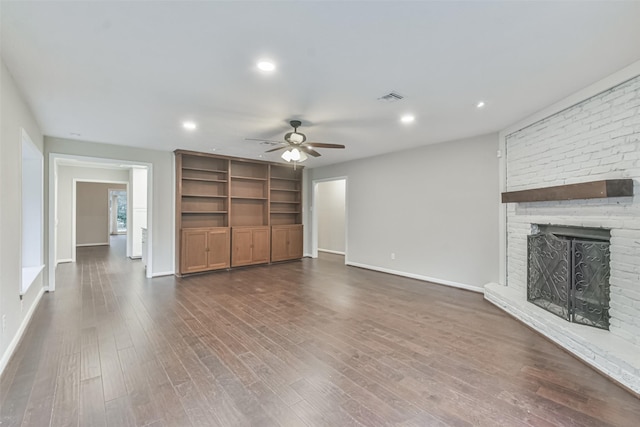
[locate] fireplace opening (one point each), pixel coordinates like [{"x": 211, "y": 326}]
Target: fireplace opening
[{"x": 568, "y": 272}]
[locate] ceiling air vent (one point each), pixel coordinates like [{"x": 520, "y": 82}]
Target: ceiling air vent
[{"x": 391, "y": 97}]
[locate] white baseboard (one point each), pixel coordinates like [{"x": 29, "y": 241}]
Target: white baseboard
[
  {"x": 329, "y": 251},
  {"x": 478, "y": 289},
  {"x": 92, "y": 244},
  {"x": 18, "y": 336},
  {"x": 307, "y": 255},
  {"x": 164, "y": 273},
  {"x": 63, "y": 261}
]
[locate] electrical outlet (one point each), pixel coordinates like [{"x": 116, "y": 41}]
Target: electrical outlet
[
  {"x": 393, "y": 255},
  {"x": 4, "y": 322}
]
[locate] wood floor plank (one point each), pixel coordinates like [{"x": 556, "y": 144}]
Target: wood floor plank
[
  {"x": 92, "y": 405},
  {"x": 67, "y": 396},
  {"x": 311, "y": 342},
  {"x": 90, "y": 360},
  {"x": 119, "y": 412},
  {"x": 274, "y": 406},
  {"x": 110, "y": 370},
  {"x": 27, "y": 358},
  {"x": 325, "y": 403},
  {"x": 40, "y": 404},
  {"x": 135, "y": 380}
]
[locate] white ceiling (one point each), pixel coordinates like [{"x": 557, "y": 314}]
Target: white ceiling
[{"x": 130, "y": 72}]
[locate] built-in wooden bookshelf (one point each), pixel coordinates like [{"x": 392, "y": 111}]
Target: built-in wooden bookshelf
[
  {"x": 203, "y": 190},
  {"x": 285, "y": 195},
  {"x": 249, "y": 193},
  {"x": 232, "y": 212}
]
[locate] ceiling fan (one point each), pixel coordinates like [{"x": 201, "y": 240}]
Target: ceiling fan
[{"x": 296, "y": 145}]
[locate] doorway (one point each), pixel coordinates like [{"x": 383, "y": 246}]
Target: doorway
[
  {"x": 65, "y": 172},
  {"x": 329, "y": 219},
  {"x": 93, "y": 213}
]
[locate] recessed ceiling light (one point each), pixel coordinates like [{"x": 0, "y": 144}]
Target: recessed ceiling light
[
  {"x": 189, "y": 125},
  {"x": 74, "y": 134},
  {"x": 480, "y": 104},
  {"x": 408, "y": 118},
  {"x": 266, "y": 65}
]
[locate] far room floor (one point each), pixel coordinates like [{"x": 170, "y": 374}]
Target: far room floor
[{"x": 310, "y": 342}]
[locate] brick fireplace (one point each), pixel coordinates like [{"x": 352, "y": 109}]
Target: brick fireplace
[{"x": 597, "y": 138}]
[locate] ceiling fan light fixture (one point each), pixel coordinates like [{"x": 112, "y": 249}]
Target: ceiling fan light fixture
[
  {"x": 295, "y": 137},
  {"x": 294, "y": 155},
  {"x": 303, "y": 156},
  {"x": 286, "y": 156}
]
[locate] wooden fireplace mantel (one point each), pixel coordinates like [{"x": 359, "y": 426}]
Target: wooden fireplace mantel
[{"x": 584, "y": 190}]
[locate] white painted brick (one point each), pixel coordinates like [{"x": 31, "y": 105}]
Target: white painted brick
[
  {"x": 627, "y": 309},
  {"x": 628, "y": 336},
  {"x": 604, "y": 363},
  {"x": 622, "y": 131},
  {"x": 596, "y": 139}
]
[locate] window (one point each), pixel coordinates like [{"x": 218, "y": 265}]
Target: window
[{"x": 32, "y": 212}]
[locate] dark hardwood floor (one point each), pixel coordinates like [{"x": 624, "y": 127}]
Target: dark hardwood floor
[{"x": 303, "y": 343}]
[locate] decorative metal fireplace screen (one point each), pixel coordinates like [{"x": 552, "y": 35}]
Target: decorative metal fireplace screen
[{"x": 568, "y": 274}]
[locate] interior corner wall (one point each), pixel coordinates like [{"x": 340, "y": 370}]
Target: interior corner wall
[
  {"x": 15, "y": 115},
  {"x": 434, "y": 207},
  {"x": 162, "y": 176},
  {"x": 92, "y": 212},
  {"x": 330, "y": 206},
  {"x": 66, "y": 177}
]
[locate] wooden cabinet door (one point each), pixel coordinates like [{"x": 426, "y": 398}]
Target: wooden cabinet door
[
  {"x": 279, "y": 246},
  {"x": 295, "y": 242},
  {"x": 250, "y": 245},
  {"x": 241, "y": 240},
  {"x": 286, "y": 242},
  {"x": 194, "y": 251},
  {"x": 218, "y": 249},
  {"x": 260, "y": 249}
]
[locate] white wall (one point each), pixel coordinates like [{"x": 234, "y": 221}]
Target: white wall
[
  {"x": 330, "y": 208},
  {"x": 15, "y": 115},
  {"x": 66, "y": 177},
  {"x": 162, "y": 175},
  {"x": 435, "y": 207},
  {"x": 92, "y": 212},
  {"x": 138, "y": 200}
]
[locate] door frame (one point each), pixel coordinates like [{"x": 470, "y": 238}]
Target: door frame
[{"x": 314, "y": 215}]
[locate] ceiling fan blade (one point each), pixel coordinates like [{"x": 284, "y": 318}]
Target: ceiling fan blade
[
  {"x": 277, "y": 148},
  {"x": 309, "y": 150},
  {"x": 263, "y": 140},
  {"x": 322, "y": 145}
]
